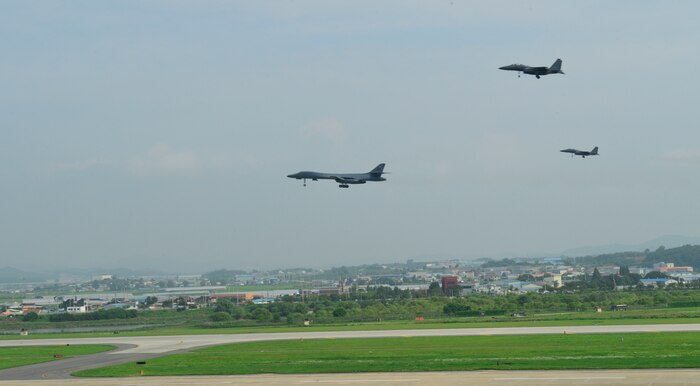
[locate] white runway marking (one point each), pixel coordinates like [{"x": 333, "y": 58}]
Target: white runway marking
[
  {"x": 557, "y": 378},
  {"x": 360, "y": 380}
]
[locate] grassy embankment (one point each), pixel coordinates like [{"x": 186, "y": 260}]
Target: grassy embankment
[
  {"x": 22, "y": 356},
  {"x": 645, "y": 316},
  {"x": 520, "y": 352}
]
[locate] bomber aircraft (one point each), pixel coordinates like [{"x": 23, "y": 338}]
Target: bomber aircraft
[
  {"x": 582, "y": 153},
  {"x": 536, "y": 71},
  {"x": 344, "y": 179}
]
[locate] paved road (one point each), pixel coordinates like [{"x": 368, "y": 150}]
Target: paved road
[
  {"x": 139, "y": 348},
  {"x": 455, "y": 378},
  {"x": 166, "y": 344}
]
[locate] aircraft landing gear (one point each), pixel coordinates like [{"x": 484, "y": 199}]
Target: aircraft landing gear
[
  {"x": 304, "y": 181},
  {"x": 343, "y": 186},
  {"x": 537, "y": 76}
]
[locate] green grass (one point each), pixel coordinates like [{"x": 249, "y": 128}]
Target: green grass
[
  {"x": 21, "y": 356},
  {"x": 520, "y": 352}
]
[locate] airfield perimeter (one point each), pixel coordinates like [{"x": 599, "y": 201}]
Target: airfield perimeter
[{"x": 139, "y": 348}]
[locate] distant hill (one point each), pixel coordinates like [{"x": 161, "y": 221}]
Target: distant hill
[
  {"x": 686, "y": 255},
  {"x": 14, "y": 275},
  {"x": 128, "y": 272},
  {"x": 668, "y": 241}
]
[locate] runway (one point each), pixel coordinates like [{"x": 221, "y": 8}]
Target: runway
[
  {"x": 167, "y": 344},
  {"x": 138, "y": 348},
  {"x": 456, "y": 378}
]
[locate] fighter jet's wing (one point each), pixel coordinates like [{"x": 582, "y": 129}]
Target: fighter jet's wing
[{"x": 538, "y": 68}]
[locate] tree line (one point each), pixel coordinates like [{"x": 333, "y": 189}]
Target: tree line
[{"x": 404, "y": 306}]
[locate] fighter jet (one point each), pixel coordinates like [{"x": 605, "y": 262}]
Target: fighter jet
[
  {"x": 536, "y": 71},
  {"x": 582, "y": 153},
  {"x": 343, "y": 179}
]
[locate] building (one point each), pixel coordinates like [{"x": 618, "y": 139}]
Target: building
[
  {"x": 553, "y": 280},
  {"x": 658, "y": 281},
  {"x": 450, "y": 285},
  {"x": 235, "y": 297},
  {"x": 73, "y": 306},
  {"x": 676, "y": 270},
  {"x": 32, "y": 307}
]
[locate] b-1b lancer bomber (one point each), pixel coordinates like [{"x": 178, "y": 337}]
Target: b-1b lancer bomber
[
  {"x": 582, "y": 153},
  {"x": 536, "y": 71},
  {"x": 344, "y": 179}
]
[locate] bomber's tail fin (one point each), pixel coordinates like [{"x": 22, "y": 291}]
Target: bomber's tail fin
[
  {"x": 378, "y": 170},
  {"x": 594, "y": 151},
  {"x": 556, "y": 67}
]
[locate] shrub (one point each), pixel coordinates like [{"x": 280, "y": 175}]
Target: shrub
[
  {"x": 30, "y": 317},
  {"x": 221, "y": 317}
]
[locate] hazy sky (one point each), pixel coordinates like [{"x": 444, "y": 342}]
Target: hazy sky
[{"x": 159, "y": 134}]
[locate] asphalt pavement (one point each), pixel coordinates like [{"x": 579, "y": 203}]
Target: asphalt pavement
[{"x": 130, "y": 349}]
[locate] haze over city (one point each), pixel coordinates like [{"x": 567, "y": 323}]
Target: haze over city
[{"x": 159, "y": 134}]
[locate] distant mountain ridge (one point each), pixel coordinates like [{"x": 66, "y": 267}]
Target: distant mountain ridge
[
  {"x": 14, "y": 275},
  {"x": 668, "y": 241},
  {"x": 683, "y": 256}
]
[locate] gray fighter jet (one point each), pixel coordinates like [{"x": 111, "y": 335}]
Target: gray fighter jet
[
  {"x": 536, "y": 71},
  {"x": 344, "y": 179},
  {"x": 582, "y": 153}
]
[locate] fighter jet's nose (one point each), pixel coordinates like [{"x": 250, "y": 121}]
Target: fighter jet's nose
[{"x": 503, "y": 68}]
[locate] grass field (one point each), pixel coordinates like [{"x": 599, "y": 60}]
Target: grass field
[
  {"x": 21, "y": 356},
  {"x": 594, "y": 351}
]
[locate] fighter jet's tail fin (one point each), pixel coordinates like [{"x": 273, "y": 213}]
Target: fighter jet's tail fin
[
  {"x": 594, "y": 151},
  {"x": 378, "y": 170},
  {"x": 556, "y": 67}
]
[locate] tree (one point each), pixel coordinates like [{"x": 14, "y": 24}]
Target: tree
[
  {"x": 456, "y": 309},
  {"x": 434, "y": 289},
  {"x": 262, "y": 315},
  {"x": 655, "y": 275},
  {"x": 597, "y": 280},
  {"x": 526, "y": 277},
  {"x": 624, "y": 270},
  {"x": 339, "y": 312},
  {"x": 221, "y": 317},
  {"x": 181, "y": 302},
  {"x": 30, "y": 317},
  {"x": 295, "y": 317},
  {"x": 224, "y": 305},
  {"x": 237, "y": 312}
]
